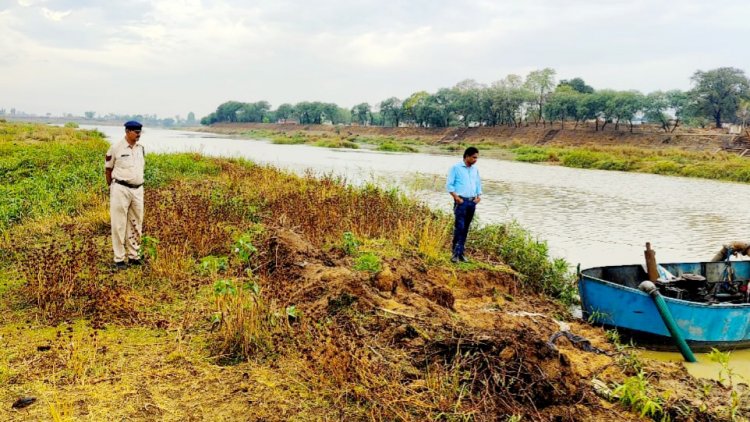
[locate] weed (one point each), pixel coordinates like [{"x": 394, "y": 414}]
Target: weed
[
  {"x": 148, "y": 247},
  {"x": 212, "y": 265},
  {"x": 246, "y": 324},
  {"x": 349, "y": 243},
  {"x": 368, "y": 262},
  {"x": 529, "y": 257},
  {"x": 636, "y": 393}
]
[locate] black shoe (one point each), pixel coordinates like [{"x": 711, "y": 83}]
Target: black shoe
[
  {"x": 462, "y": 258},
  {"x": 137, "y": 261},
  {"x": 454, "y": 259},
  {"x": 120, "y": 265}
]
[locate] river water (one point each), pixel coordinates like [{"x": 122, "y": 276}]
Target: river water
[{"x": 591, "y": 217}]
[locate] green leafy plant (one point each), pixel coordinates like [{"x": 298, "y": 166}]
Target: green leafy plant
[
  {"x": 244, "y": 248},
  {"x": 148, "y": 247},
  {"x": 224, "y": 287},
  {"x": 368, "y": 262},
  {"x": 213, "y": 264},
  {"x": 636, "y": 393},
  {"x": 350, "y": 243}
]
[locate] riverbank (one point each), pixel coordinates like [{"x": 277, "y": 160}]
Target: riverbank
[
  {"x": 286, "y": 297},
  {"x": 709, "y": 154}
]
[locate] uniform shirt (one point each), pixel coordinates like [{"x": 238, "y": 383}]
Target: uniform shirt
[
  {"x": 127, "y": 162},
  {"x": 464, "y": 181}
]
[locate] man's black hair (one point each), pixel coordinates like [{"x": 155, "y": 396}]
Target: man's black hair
[{"x": 470, "y": 151}]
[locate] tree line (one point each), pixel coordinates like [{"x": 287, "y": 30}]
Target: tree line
[{"x": 717, "y": 96}]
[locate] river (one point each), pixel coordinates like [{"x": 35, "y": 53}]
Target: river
[{"x": 591, "y": 217}]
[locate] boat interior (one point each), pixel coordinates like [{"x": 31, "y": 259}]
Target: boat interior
[{"x": 704, "y": 282}]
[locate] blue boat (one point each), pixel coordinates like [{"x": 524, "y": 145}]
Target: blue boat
[{"x": 708, "y": 301}]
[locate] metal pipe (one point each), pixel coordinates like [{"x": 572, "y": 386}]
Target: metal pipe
[{"x": 666, "y": 316}]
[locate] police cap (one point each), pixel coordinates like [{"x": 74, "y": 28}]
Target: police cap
[{"x": 133, "y": 125}]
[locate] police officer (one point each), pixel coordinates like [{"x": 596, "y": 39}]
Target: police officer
[{"x": 124, "y": 166}]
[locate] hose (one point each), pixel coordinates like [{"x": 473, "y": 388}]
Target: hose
[{"x": 666, "y": 316}]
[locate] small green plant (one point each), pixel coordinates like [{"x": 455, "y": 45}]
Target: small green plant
[
  {"x": 224, "y": 287},
  {"x": 148, "y": 247},
  {"x": 350, "y": 243},
  {"x": 598, "y": 317},
  {"x": 368, "y": 262},
  {"x": 725, "y": 372},
  {"x": 635, "y": 393},
  {"x": 72, "y": 125},
  {"x": 244, "y": 248},
  {"x": 726, "y": 375},
  {"x": 213, "y": 264}
]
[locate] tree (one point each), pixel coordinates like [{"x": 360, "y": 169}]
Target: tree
[
  {"x": 191, "y": 118},
  {"x": 717, "y": 93},
  {"x": 361, "y": 113},
  {"x": 227, "y": 112},
  {"x": 540, "y": 82},
  {"x": 562, "y": 104},
  {"x": 626, "y": 105},
  {"x": 655, "y": 107},
  {"x": 285, "y": 112},
  {"x": 392, "y": 111},
  {"x": 508, "y": 98},
  {"x": 577, "y": 84},
  {"x": 414, "y": 107},
  {"x": 87, "y": 114},
  {"x": 465, "y": 100},
  {"x": 743, "y": 112}
]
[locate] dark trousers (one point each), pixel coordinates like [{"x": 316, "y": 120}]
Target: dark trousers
[{"x": 464, "y": 213}]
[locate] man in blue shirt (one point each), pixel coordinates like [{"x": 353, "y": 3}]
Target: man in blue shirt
[{"x": 466, "y": 189}]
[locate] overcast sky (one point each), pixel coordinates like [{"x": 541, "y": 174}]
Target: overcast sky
[{"x": 171, "y": 57}]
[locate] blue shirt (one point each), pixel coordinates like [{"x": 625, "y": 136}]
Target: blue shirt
[{"x": 464, "y": 181}]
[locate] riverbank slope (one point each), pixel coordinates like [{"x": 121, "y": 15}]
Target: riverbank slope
[{"x": 268, "y": 296}]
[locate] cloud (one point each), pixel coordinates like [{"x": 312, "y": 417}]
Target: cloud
[{"x": 53, "y": 15}]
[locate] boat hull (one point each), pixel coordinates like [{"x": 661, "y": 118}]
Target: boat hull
[{"x": 609, "y": 296}]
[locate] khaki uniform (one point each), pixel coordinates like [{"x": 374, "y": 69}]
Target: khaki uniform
[{"x": 126, "y": 202}]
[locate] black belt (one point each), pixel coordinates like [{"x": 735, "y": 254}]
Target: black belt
[
  {"x": 128, "y": 185},
  {"x": 467, "y": 198}
]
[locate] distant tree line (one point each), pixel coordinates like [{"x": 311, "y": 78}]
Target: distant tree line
[{"x": 717, "y": 96}]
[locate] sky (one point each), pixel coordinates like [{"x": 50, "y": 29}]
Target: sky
[{"x": 171, "y": 57}]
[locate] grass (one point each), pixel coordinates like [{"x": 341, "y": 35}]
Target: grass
[{"x": 670, "y": 161}]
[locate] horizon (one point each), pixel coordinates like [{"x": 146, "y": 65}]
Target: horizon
[{"x": 172, "y": 57}]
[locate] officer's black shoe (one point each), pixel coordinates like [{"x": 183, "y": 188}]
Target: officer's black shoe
[
  {"x": 462, "y": 258},
  {"x": 137, "y": 261},
  {"x": 120, "y": 266}
]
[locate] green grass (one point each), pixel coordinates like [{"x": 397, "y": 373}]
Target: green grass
[
  {"x": 674, "y": 162},
  {"x": 46, "y": 170}
]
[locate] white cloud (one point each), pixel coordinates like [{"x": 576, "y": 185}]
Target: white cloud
[{"x": 53, "y": 15}]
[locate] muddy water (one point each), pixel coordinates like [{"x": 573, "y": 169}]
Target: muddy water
[
  {"x": 589, "y": 217},
  {"x": 739, "y": 363}
]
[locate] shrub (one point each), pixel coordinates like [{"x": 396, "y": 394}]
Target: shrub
[{"x": 528, "y": 256}]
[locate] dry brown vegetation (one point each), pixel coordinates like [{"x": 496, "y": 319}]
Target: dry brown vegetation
[{"x": 268, "y": 296}]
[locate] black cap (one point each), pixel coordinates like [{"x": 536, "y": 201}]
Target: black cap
[{"x": 132, "y": 124}]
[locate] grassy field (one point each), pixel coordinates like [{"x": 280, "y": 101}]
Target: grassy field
[{"x": 268, "y": 296}]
